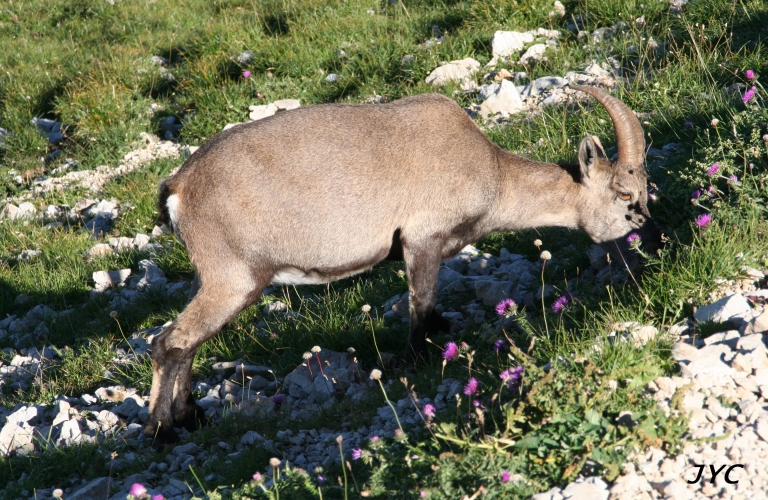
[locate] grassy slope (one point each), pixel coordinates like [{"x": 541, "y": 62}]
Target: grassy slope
[{"x": 85, "y": 63}]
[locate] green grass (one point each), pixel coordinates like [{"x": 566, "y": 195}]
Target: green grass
[{"x": 87, "y": 64}]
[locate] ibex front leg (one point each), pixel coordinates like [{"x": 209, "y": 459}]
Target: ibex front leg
[{"x": 422, "y": 266}]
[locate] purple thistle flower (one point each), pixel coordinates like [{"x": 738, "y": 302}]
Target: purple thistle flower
[
  {"x": 246, "y": 74},
  {"x": 688, "y": 124},
  {"x": 478, "y": 404},
  {"x": 651, "y": 196},
  {"x": 559, "y": 304},
  {"x": 511, "y": 376},
  {"x": 749, "y": 74},
  {"x": 320, "y": 479},
  {"x": 505, "y": 476},
  {"x": 633, "y": 238},
  {"x": 499, "y": 345},
  {"x": 703, "y": 220},
  {"x": 450, "y": 351},
  {"x": 714, "y": 168},
  {"x": 695, "y": 194},
  {"x": 471, "y": 386},
  {"x": 278, "y": 400},
  {"x": 357, "y": 453},
  {"x": 422, "y": 494},
  {"x": 429, "y": 411},
  {"x": 505, "y": 306},
  {"x": 374, "y": 439},
  {"x": 158, "y": 497},
  {"x": 733, "y": 179},
  {"x": 748, "y": 95},
  {"x": 138, "y": 490},
  {"x": 258, "y": 477}
]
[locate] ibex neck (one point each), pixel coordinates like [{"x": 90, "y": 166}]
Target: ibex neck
[{"x": 535, "y": 194}]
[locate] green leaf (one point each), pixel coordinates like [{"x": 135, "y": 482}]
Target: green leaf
[
  {"x": 592, "y": 416},
  {"x": 528, "y": 443}
]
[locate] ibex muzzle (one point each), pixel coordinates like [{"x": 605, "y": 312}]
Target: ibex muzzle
[{"x": 319, "y": 193}]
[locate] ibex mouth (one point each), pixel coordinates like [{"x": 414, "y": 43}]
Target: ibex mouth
[
  {"x": 651, "y": 237},
  {"x": 621, "y": 249}
]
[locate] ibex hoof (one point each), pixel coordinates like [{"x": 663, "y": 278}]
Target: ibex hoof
[
  {"x": 191, "y": 418},
  {"x": 437, "y": 323},
  {"x": 160, "y": 435}
]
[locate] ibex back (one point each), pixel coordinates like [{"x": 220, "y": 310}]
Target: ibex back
[{"x": 319, "y": 193}]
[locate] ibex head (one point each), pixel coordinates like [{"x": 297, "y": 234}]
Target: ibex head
[{"x": 620, "y": 184}]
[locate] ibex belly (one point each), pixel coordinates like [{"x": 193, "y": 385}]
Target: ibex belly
[{"x": 294, "y": 276}]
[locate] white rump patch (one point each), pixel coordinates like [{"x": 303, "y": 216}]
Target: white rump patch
[{"x": 173, "y": 206}]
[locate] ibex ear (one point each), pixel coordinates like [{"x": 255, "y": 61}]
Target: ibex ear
[
  {"x": 600, "y": 148},
  {"x": 588, "y": 152}
]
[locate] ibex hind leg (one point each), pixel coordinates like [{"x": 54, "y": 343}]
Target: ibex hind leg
[
  {"x": 222, "y": 294},
  {"x": 436, "y": 323},
  {"x": 421, "y": 265},
  {"x": 186, "y": 413}
]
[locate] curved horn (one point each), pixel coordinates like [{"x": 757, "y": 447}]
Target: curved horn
[{"x": 629, "y": 133}]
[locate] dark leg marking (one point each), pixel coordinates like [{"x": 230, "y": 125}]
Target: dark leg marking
[{"x": 421, "y": 267}]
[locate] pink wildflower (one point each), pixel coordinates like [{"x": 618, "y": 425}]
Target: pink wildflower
[
  {"x": 559, "y": 304},
  {"x": 450, "y": 351},
  {"x": 748, "y": 95},
  {"x": 357, "y": 453},
  {"x": 511, "y": 376},
  {"x": 158, "y": 497},
  {"x": 258, "y": 477},
  {"x": 750, "y": 74},
  {"x": 633, "y": 238},
  {"x": 429, "y": 411},
  {"x": 505, "y": 476},
  {"x": 471, "y": 386},
  {"x": 712, "y": 169},
  {"x": 246, "y": 74},
  {"x": 499, "y": 345},
  {"x": 138, "y": 490},
  {"x": 506, "y": 306},
  {"x": 703, "y": 220}
]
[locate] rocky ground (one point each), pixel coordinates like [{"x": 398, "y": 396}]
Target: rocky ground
[{"x": 724, "y": 390}]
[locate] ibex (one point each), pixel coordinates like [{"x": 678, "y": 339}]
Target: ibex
[{"x": 319, "y": 193}]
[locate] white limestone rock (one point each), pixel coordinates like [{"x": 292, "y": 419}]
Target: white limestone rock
[
  {"x": 535, "y": 53},
  {"x": 504, "y": 101},
  {"x": 733, "y": 307},
  {"x": 459, "y": 71}
]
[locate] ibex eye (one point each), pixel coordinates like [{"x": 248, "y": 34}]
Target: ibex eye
[{"x": 625, "y": 196}]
